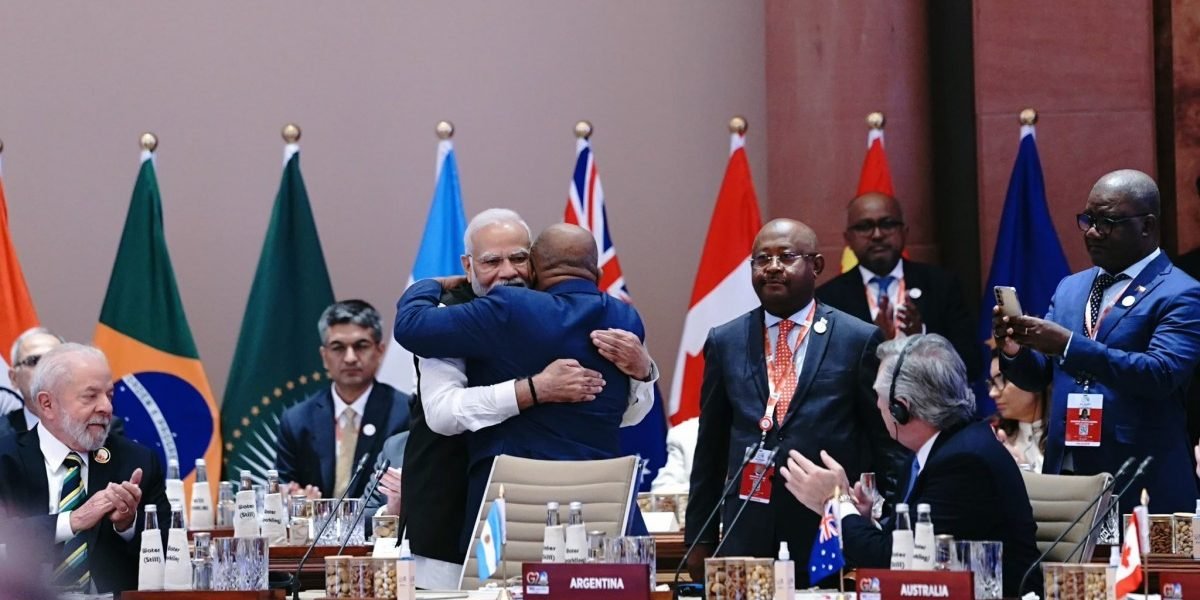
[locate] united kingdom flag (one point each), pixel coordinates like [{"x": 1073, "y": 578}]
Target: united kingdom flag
[
  {"x": 585, "y": 207},
  {"x": 826, "y": 558}
]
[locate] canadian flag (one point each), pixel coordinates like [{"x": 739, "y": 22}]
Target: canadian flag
[
  {"x": 875, "y": 176},
  {"x": 722, "y": 290},
  {"x": 1129, "y": 570}
]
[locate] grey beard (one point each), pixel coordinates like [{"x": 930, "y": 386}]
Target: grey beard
[
  {"x": 482, "y": 291},
  {"x": 81, "y": 435}
]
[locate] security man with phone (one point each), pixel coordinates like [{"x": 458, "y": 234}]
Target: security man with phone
[{"x": 1119, "y": 342}]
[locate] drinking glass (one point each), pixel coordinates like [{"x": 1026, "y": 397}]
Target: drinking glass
[
  {"x": 869, "y": 486},
  {"x": 322, "y": 513},
  {"x": 224, "y": 564},
  {"x": 642, "y": 550},
  {"x": 595, "y": 546},
  {"x": 345, "y": 525},
  {"x": 252, "y": 558},
  {"x": 962, "y": 556},
  {"x": 986, "y": 564}
]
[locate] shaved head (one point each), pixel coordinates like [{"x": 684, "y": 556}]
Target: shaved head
[
  {"x": 1124, "y": 207},
  {"x": 785, "y": 287},
  {"x": 1134, "y": 187},
  {"x": 564, "y": 250}
]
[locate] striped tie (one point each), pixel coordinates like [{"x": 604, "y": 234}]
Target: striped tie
[{"x": 72, "y": 572}]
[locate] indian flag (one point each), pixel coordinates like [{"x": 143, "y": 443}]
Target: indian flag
[
  {"x": 16, "y": 308},
  {"x": 161, "y": 390}
]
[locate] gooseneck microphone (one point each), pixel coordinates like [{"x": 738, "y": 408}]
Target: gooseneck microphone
[
  {"x": 294, "y": 584},
  {"x": 1137, "y": 474},
  {"x": 1079, "y": 517},
  {"x": 746, "y": 501},
  {"x": 750, "y": 452},
  {"x": 358, "y": 514}
]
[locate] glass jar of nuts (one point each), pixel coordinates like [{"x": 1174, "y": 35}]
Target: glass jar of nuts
[
  {"x": 362, "y": 577},
  {"x": 760, "y": 579},
  {"x": 337, "y": 577},
  {"x": 1181, "y": 531},
  {"x": 1161, "y": 537},
  {"x": 385, "y": 577}
]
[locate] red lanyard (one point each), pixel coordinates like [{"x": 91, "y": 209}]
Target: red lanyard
[
  {"x": 773, "y": 398},
  {"x": 1090, "y": 329},
  {"x": 873, "y": 304}
]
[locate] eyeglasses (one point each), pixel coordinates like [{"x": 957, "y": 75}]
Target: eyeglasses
[
  {"x": 1103, "y": 225},
  {"x": 493, "y": 261},
  {"x": 885, "y": 225},
  {"x": 786, "y": 259},
  {"x": 997, "y": 381},
  {"x": 360, "y": 347},
  {"x": 29, "y": 362}
]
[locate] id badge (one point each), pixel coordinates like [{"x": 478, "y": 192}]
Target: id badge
[
  {"x": 1084, "y": 414},
  {"x": 760, "y": 466}
]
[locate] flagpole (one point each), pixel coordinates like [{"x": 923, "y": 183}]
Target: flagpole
[
  {"x": 837, "y": 508},
  {"x": 504, "y": 594},
  {"x": 1145, "y": 566}
]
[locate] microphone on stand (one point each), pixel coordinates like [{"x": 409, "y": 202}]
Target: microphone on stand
[
  {"x": 750, "y": 452},
  {"x": 294, "y": 584},
  {"x": 1140, "y": 470},
  {"x": 358, "y": 514},
  {"x": 746, "y": 501},
  {"x": 1079, "y": 517}
]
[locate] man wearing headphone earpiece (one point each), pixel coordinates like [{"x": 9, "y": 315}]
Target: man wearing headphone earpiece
[{"x": 971, "y": 483}]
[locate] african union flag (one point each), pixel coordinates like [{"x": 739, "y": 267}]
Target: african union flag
[
  {"x": 161, "y": 390},
  {"x": 277, "y": 361}
]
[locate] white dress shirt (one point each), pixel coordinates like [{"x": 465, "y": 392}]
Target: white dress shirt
[
  {"x": 30, "y": 419},
  {"x": 452, "y": 408},
  {"x": 923, "y": 454},
  {"x": 54, "y": 452},
  {"x": 799, "y": 318}
]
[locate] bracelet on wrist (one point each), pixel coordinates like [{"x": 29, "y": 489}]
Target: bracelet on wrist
[{"x": 532, "y": 392}]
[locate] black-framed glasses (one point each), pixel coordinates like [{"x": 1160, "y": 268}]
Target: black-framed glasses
[
  {"x": 1103, "y": 225},
  {"x": 885, "y": 225},
  {"x": 786, "y": 259},
  {"x": 997, "y": 381},
  {"x": 29, "y": 362}
]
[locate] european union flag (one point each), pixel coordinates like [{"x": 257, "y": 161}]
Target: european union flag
[
  {"x": 1028, "y": 255},
  {"x": 826, "y": 558}
]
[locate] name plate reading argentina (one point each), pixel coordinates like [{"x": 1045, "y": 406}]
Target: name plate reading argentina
[
  {"x": 876, "y": 584},
  {"x": 581, "y": 581}
]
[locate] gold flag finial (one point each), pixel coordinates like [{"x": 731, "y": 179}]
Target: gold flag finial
[
  {"x": 1145, "y": 498},
  {"x": 444, "y": 130},
  {"x": 1, "y": 145},
  {"x": 291, "y": 133},
  {"x": 148, "y": 141},
  {"x": 1028, "y": 117},
  {"x": 501, "y": 493},
  {"x": 738, "y": 125},
  {"x": 876, "y": 120},
  {"x": 583, "y": 129}
]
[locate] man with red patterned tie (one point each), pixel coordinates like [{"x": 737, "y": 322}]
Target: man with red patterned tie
[{"x": 793, "y": 374}]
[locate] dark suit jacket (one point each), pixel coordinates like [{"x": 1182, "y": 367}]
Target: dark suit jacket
[
  {"x": 1141, "y": 361},
  {"x": 307, "y": 451},
  {"x": 975, "y": 492},
  {"x": 833, "y": 410},
  {"x": 433, "y": 484},
  {"x": 24, "y": 494},
  {"x": 515, "y": 332},
  {"x": 942, "y": 306}
]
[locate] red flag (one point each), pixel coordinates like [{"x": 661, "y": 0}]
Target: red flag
[
  {"x": 1129, "y": 571},
  {"x": 16, "y": 307},
  {"x": 722, "y": 290},
  {"x": 875, "y": 177}
]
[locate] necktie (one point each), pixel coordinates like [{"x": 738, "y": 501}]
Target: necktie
[
  {"x": 347, "y": 442},
  {"x": 72, "y": 572},
  {"x": 884, "y": 282},
  {"x": 1103, "y": 282},
  {"x": 912, "y": 478},
  {"x": 783, "y": 371}
]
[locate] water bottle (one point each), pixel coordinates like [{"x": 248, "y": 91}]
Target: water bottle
[
  {"x": 246, "y": 484},
  {"x": 245, "y": 523},
  {"x": 785, "y": 574},
  {"x": 902, "y": 540},
  {"x": 576, "y": 534},
  {"x": 202, "y": 510},
  {"x": 173, "y": 469},
  {"x": 274, "y": 522},
  {"x": 923, "y": 540},
  {"x": 226, "y": 504},
  {"x": 554, "y": 539},
  {"x": 150, "y": 569},
  {"x": 151, "y": 517},
  {"x": 177, "y": 570}
]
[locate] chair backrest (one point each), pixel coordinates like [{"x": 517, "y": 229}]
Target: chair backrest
[
  {"x": 605, "y": 487},
  {"x": 1056, "y": 501}
]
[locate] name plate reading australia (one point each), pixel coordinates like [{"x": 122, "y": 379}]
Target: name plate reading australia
[
  {"x": 1179, "y": 585},
  {"x": 581, "y": 581},
  {"x": 877, "y": 584}
]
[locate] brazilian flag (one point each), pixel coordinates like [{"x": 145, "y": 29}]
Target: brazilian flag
[
  {"x": 161, "y": 391},
  {"x": 277, "y": 362}
]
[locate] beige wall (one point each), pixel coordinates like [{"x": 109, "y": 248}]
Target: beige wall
[{"x": 366, "y": 81}]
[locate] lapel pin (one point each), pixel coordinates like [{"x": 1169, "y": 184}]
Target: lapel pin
[
  {"x": 915, "y": 293},
  {"x": 1127, "y": 301},
  {"x": 368, "y": 429},
  {"x": 102, "y": 455},
  {"x": 1141, "y": 289},
  {"x": 821, "y": 326}
]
